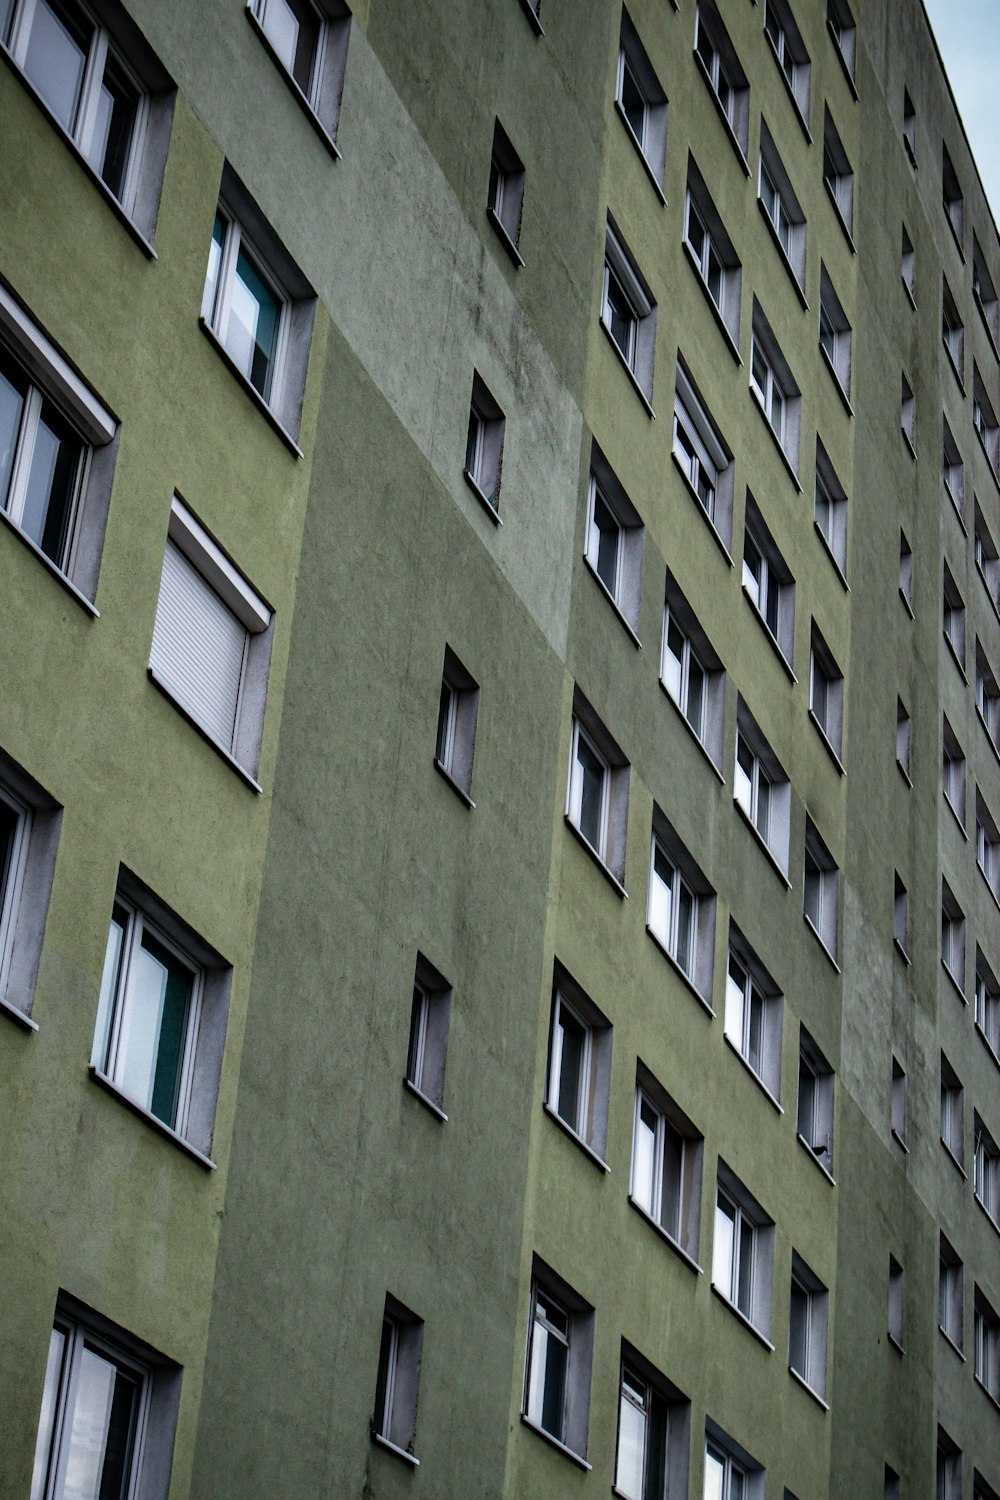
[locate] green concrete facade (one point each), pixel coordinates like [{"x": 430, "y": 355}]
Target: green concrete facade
[{"x": 263, "y": 1275}]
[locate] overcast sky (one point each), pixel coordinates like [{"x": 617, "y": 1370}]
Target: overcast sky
[{"x": 968, "y": 34}]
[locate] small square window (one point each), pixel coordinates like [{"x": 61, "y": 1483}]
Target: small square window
[
  {"x": 597, "y": 788},
  {"x": 987, "y": 696},
  {"x": 754, "y": 1008},
  {"x": 952, "y": 936},
  {"x": 790, "y": 51},
  {"x": 987, "y": 1326},
  {"x": 907, "y": 413},
  {"x": 161, "y": 1016},
  {"x": 308, "y": 39},
  {"x": 830, "y": 509},
  {"x": 984, "y": 291},
  {"x": 986, "y": 1175},
  {"x": 905, "y": 571},
  {"x": 987, "y": 845},
  {"x": 394, "y": 1422},
  {"x": 909, "y": 128},
  {"x": 458, "y": 710},
  {"x": 691, "y": 672},
  {"x": 666, "y": 1164},
  {"x": 820, "y": 890},
  {"x": 814, "y": 1114},
  {"x": 109, "y": 1411},
  {"x": 948, "y": 1476},
  {"x": 558, "y": 1361},
  {"x": 807, "y": 1327},
  {"x": 950, "y": 1279},
  {"x": 780, "y": 206},
  {"x": 484, "y": 448},
  {"x": 952, "y": 1111},
  {"x": 775, "y": 388},
  {"x": 680, "y": 912},
  {"x": 505, "y": 194},
  {"x": 987, "y": 560},
  {"x": 641, "y": 102},
  {"x": 900, "y": 916},
  {"x": 628, "y": 311},
  {"x": 730, "y": 1472},
  {"x": 952, "y": 197},
  {"x": 29, "y": 833},
  {"x": 896, "y": 1321},
  {"x": 211, "y": 647},
  {"x": 987, "y": 1004},
  {"x": 907, "y": 267},
  {"x": 952, "y": 332},
  {"x": 953, "y": 771},
  {"x": 826, "y": 693},
  {"x": 578, "y": 1084},
  {"x": 723, "y": 73},
  {"x": 654, "y": 1420},
  {"x": 427, "y": 1053},
  {"x": 614, "y": 540},
  {"x": 953, "y": 471},
  {"x": 843, "y": 29},
  {"x": 712, "y": 253},
  {"x": 834, "y": 334},
  {"x": 702, "y": 456},
  {"x": 743, "y": 1251},
  {"x": 767, "y": 581},
  {"x": 984, "y": 419},
  {"x": 837, "y": 174},
  {"x": 902, "y": 738},
  {"x": 897, "y": 1113},
  {"x": 760, "y": 787}
]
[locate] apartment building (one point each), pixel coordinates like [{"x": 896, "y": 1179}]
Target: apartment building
[{"x": 499, "y": 753}]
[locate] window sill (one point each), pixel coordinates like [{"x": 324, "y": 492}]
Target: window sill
[
  {"x": 986, "y": 1211},
  {"x": 956, "y": 658},
  {"x": 250, "y": 390},
  {"x": 717, "y": 536},
  {"x": 459, "y": 791},
  {"x": 435, "y": 1109},
  {"x": 532, "y": 16},
  {"x": 848, "y": 75},
  {"x": 771, "y": 638},
  {"x": 701, "y": 746},
  {"x": 647, "y": 404},
  {"x": 826, "y": 743},
  {"x": 803, "y": 1382},
  {"x": 822, "y": 942},
  {"x": 899, "y": 947},
  {"x": 951, "y": 1342},
  {"x": 560, "y": 1447},
  {"x": 483, "y": 498},
  {"x": 609, "y": 596},
  {"x": 907, "y": 604},
  {"x": 909, "y": 293},
  {"x": 657, "y": 189},
  {"x": 57, "y": 573},
  {"x": 391, "y": 1447},
  {"x": 955, "y": 1163},
  {"x": 742, "y": 1318},
  {"x": 674, "y": 1245},
  {"x": 838, "y": 383},
  {"x": 894, "y": 1342},
  {"x": 684, "y": 978},
  {"x": 775, "y": 438},
  {"x": 144, "y": 1114},
  {"x": 908, "y": 440},
  {"x": 954, "y": 982},
  {"x": 713, "y": 306},
  {"x": 841, "y": 575},
  {"x": 296, "y": 92},
  {"x": 771, "y": 859},
  {"x": 839, "y": 212},
  {"x": 98, "y": 181},
  {"x": 20, "y": 1016},
  {"x": 754, "y": 1075},
  {"x": 577, "y": 1140},
  {"x": 209, "y": 739},
  {"x": 899, "y": 1139},
  {"x": 994, "y": 1055},
  {"x": 727, "y": 123},
  {"x": 504, "y": 238},
  {"x": 789, "y": 90},
  {"x": 814, "y": 1158},
  {"x": 608, "y": 874},
  {"x": 954, "y": 366},
  {"x": 783, "y": 254}
]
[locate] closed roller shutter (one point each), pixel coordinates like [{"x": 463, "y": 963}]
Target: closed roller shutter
[{"x": 199, "y": 647}]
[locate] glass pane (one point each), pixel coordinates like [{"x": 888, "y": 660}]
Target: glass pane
[
  {"x": 154, "y": 1028},
  {"x": 571, "y": 1040},
  {"x": 631, "y": 1449},
  {"x": 736, "y": 982},
  {"x": 633, "y": 103},
  {"x": 554, "y": 1387},
  {"x": 695, "y": 694},
  {"x": 755, "y": 1031},
  {"x": 109, "y": 984},
  {"x": 56, "y": 57},
  {"x": 715, "y": 1476},
  {"x": 102, "y": 1427},
  {"x": 737, "y": 1483},
  {"x": 252, "y": 332},
  {"x": 592, "y": 773},
  {"x": 13, "y": 390},
  {"x": 673, "y": 1179},
  {"x": 418, "y": 1036},
  {"x": 605, "y": 536},
  {"x": 673, "y": 661},
  {"x": 743, "y": 776},
  {"x": 684, "y": 953},
  {"x": 51, "y": 488},
  {"x": 8, "y": 828},
  {"x": 447, "y": 710},
  {"x": 219, "y": 230},
  {"x": 661, "y": 896},
  {"x": 116, "y": 107},
  {"x": 744, "y": 1270},
  {"x": 292, "y": 29},
  {"x": 723, "y": 1247},
  {"x": 644, "y": 1156},
  {"x": 6, "y": 11},
  {"x": 50, "y": 1393}
]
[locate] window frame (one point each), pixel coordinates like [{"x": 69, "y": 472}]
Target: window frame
[
  {"x": 769, "y": 587},
  {"x": 754, "y": 1013},
  {"x": 896, "y": 1304},
  {"x": 987, "y": 845},
  {"x": 953, "y": 772},
  {"x": 702, "y": 456},
  {"x": 723, "y": 73},
  {"x": 626, "y": 593},
  {"x": 685, "y": 649},
  {"x": 986, "y": 1170},
  {"x": 821, "y": 899},
  {"x": 952, "y": 198},
  {"x": 587, "y": 1120},
  {"x": 835, "y": 335},
  {"x": 783, "y": 209},
  {"x": 950, "y": 1293},
  {"x": 815, "y": 1102},
  {"x": 808, "y": 1328},
  {"x": 987, "y": 1005},
  {"x": 651, "y": 139},
  {"x": 838, "y": 176},
  {"x": 986, "y": 556},
  {"x": 790, "y": 53},
  {"x": 26, "y": 874},
  {"x": 578, "y": 1339},
  {"x": 832, "y": 533},
  {"x": 952, "y": 332},
  {"x": 953, "y": 471},
  {"x": 455, "y": 738},
  {"x": 610, "y": 847},
  {"x": 764, "y": 768},
  {"x": 712, "y": 254},
  {"x": 984, "y": 420},
  {"x": 987, "y": 697},
  {"x": 662, "y": 1409},
  {"x": 484, "y": 441},
  {"x": 826, "y": 694},
  {"x": 686, "y": 879},
  {"x": 775, "y": 390},
  {"x": 397, "y": 1385},
  {"x": 505, "y": 193},
  {"x": 427, "y": 1049},
  {"x": 984, "y": 293},
  {"x": 671, "y": 1195},
  {"x": 843, "y": 31},
  {"x": 320, "y": 98},
  {"x": 751, "y": 1299},
  {"x": 638, "y": 310},
  {"x": 986, "y": 1326},
  {"x": 952, "y": 937}
]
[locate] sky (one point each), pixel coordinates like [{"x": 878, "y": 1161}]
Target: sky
[{"x": 968, "y": 35}]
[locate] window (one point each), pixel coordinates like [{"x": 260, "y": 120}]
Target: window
[
  {"x": 987, "y": 845},
  {"x": 981, "y": 1490},
  {"x": 952, "y": 936},
  {"x": 986, "y": 1177},
  {"x": 905, "y": 572},
  {"x": 909, "y": 128},
  {"x": 820, "y": 889},
  {"x": 984, "y": 420},
  {"x": 579, "y": 1075},
  {"x": 898, "y": 1102},
  {"x": 681, "y": 908},
  {"x": 767, "y": 581},
  {"x": 114, "y": 102},
  {"x": 614, "y": 541},
  {"x": 826, "y": 693},
  {"x": 987, "y": 696},
  {"x": 211, "y": 645},
  {"x": 641, "y": 102},
  {"x": 484, "y": 448},
  {"x": 428, "y": 1049},
  {"x": 780, "y": 207},
  {"x": 58, "y": 445},
  {"x": 948, "y": 1482},
  {"x": 987, "y": 1004},
  {"x": 987, "y": 559},
  {"x": 907, "y": 413},
  {"x": 890, "y": 1484},
  {"x": 702, "y": 456},
  {"x": 559, "y": 1359},
  {"x": 951, "y": 197},
  {"x": 628, "y": 311},
  {"x": 722, "y": 72},
  {"x": 505, "y": 193},
  {"x": 742, "y": 1251},
  {"x": 29, "y": 832},
  {"x": 896, "y": 1303},
  {"x": 902, "y": 738},
  {"x": 984, "y": 290},
  {"x": 109, "y": 1411},
  {"x": 653, "y": 1433},
  {"x": 394, "y": 1423},
  {"x": 666, "y": 1164},
  {"x": 907, "y": 267},
  {"x": 308, "y": 39},
  {"x": 834, "y": 333},
  {"x": 987, "y": 1346},
  {"x": 753, "y": 1013},
  {"x": 161, "y": 1016},
  {"x": 807, "y": 1325},
  {"x": 691, "y": 673},
  {"x": 952, "y": 1111},
  {"x": 953, "y": 617},
  {"x": 900, "y": 916},
  {"x": 952, "y": 332},
  {"x": 760, "y": 787},
  {"x": 730, "y": 1472},
  {"x": 830, "y": 509},
  {"x": 953, "y": 772},
  {"x": 841, "y": 25},
  {"x": 774, "y": 386},
  {"x": 837, "y": 174},
  {"x": 458, "y": 709},
  {"x": 258, "y": 307},
  {"x": 712, "y": 253},
  {"x": 949, "y": 1293},
  {"x": 532, "y": 9},
  {"x": 597, "y": 791},
  {"x": 790, "y": 51},
  {"x": 953, "y": 471},
  {"x": 814, "y": 1115}
]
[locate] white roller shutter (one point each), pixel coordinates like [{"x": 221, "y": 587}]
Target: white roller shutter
[{"x": 199, "y": 647}]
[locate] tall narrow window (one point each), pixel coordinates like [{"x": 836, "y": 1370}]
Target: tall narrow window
[
  {"x": 653, "y": 1425},
  {"x": 722, "y": 71},
  {"x": 614, "y": 540},
  {"x": 984, "y": 419},
  {"x": 427, "y": 1053},
  {"x": 458, "y": 710},
  {"x": 505, "y": 194},
  {"x": 628, "y": 311},
  {"x": 790, "y": 52},
  {"x": 984, "y": 291},
  {"x": 774, "y": 386},
  {"x": 308, "y": 39},
  {"x": 896, "y": 1302},
  {"x": 807, "y": 1327},
  {"x": 579, "y": 1074},
  {"x": 666, "y": 1163},
  {"x": 820, "y": 890},
  {"x": 897, "y": 1112},
  {"x": 987, "y": 845},
  {"x": 986, "y": 1174},
  {"x": 484, "y": 447},
  {"x": 950, "y": 1290},
  {"x": 952, "y": 1112},
  {"x": 987, "y": 696},
  {"x": 907, "y": 414},
  {"x": 742, "y": 1251},
  {"x": 597, "y": 788},
  {"x": 952, "y": 936},
  {"x": 814, "y": 1113},
  {"x": 907, "y": 267},
  {"x": 702, "y": 456},
  {"x": 987, "y": 1004},
  {"x": 712, "y": 252},
  {"x": 394, "y": 1424},
  {"x": 909, "y": 128},
  {"x": 987, "y": 1326},
  {"x": 760, "y": 787},
  {"x": 641, "y": 102},
  {"x": 843, "y": 29},
  {"x": 952, "y": 197},
  {"x": 952, "y": 332},
  {"x": 837, "y": 174},
  {"x": 558, "y": 1362},
  {"x": 830, "y": 509},
  {"x": 906, "y": 572},
  {"x": 953, "y": 781},
  {"x": 767, "y": 580},
  {"x": 826, "y": 693},
  {"x": 948, "y": 1477},
  {"x": 780, "y": 206},
  {"x": 753, "y": 1013},
  {"x": 900, "y": 917},
  {"x": 834, "y": 334}
]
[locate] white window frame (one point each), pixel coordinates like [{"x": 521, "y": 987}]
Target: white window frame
[
  {"x": 397, "y": 1386},
  {"x": 774, "y": 388},
  {"x": 986, "y": 557},
  {"x": 987, "y": 1337},
  {"x": 577, "y": 776},
  {"x": 780, "y": 207},
  {"x": 835, "y": 337},
  {"x": 948, "y": 1476},
  {"x": 952, "y": 197},
  {"x": 844, "y": 33},
  {"x": 987, "y": 845},
  {"x": 702, "y": 457},
  {"x": 767, "y": 581},
  {"x": 790, "y": 53},
  {"x": 952, "y": 332},
  {"x": 807, "y": 1327},
  {"x": 953, "y": 617},
  {"x": 984, "y": 292},
  {"x": 903, "y": 738},
  {"x": 953, "y": 471},
  {"x": 25, "y": 885},
  {"x": 586, "y": 1117},
  {"x": 658, "y": 1418},
  {"x": 953, "y": 771},
  {"x": 761, "y": 789},
  {"x": 721, "y": 69},
  {"x": 821, "y": 890},
  {"x": 651, "y": 138},
  {"x": 321, "y": 96},
  {"x": 217, "y": 304},
  {"x": 754, "y": 1012},
  {"x": 984, "y": 420},
  {"x": 744, "y": 1285},
  {"x": 830, "y": 510},
  {"x": 712, "y": 253},
  {"x": 665, "y": 1180},
  {"x": 484, "y": 447},
  {"x": 576, "y": 1336},
  {"x": 987, "y": 696},
  {"x": 622, "y": 276},
  {"x": 427, "y": 1051},
  {"x": 681, "y": 880},
  {"x": 950, "y": 1293},
  {"x": 987, "y": 1004},
  {"x": 814, "y": 1118},
  {"x": 838, "y": 175},
  {"x": 826, "y": 693},
  {"x": 458, "y": 711},
  {"x": 587, "y": 734},
  {"x": 625, "y": 587},
  {"x": 986, "y": 1170},
  {"x": 952, "y": 1112},
  {"x": 907, "y": 266},
  {"x": 952, "y": 936}
]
